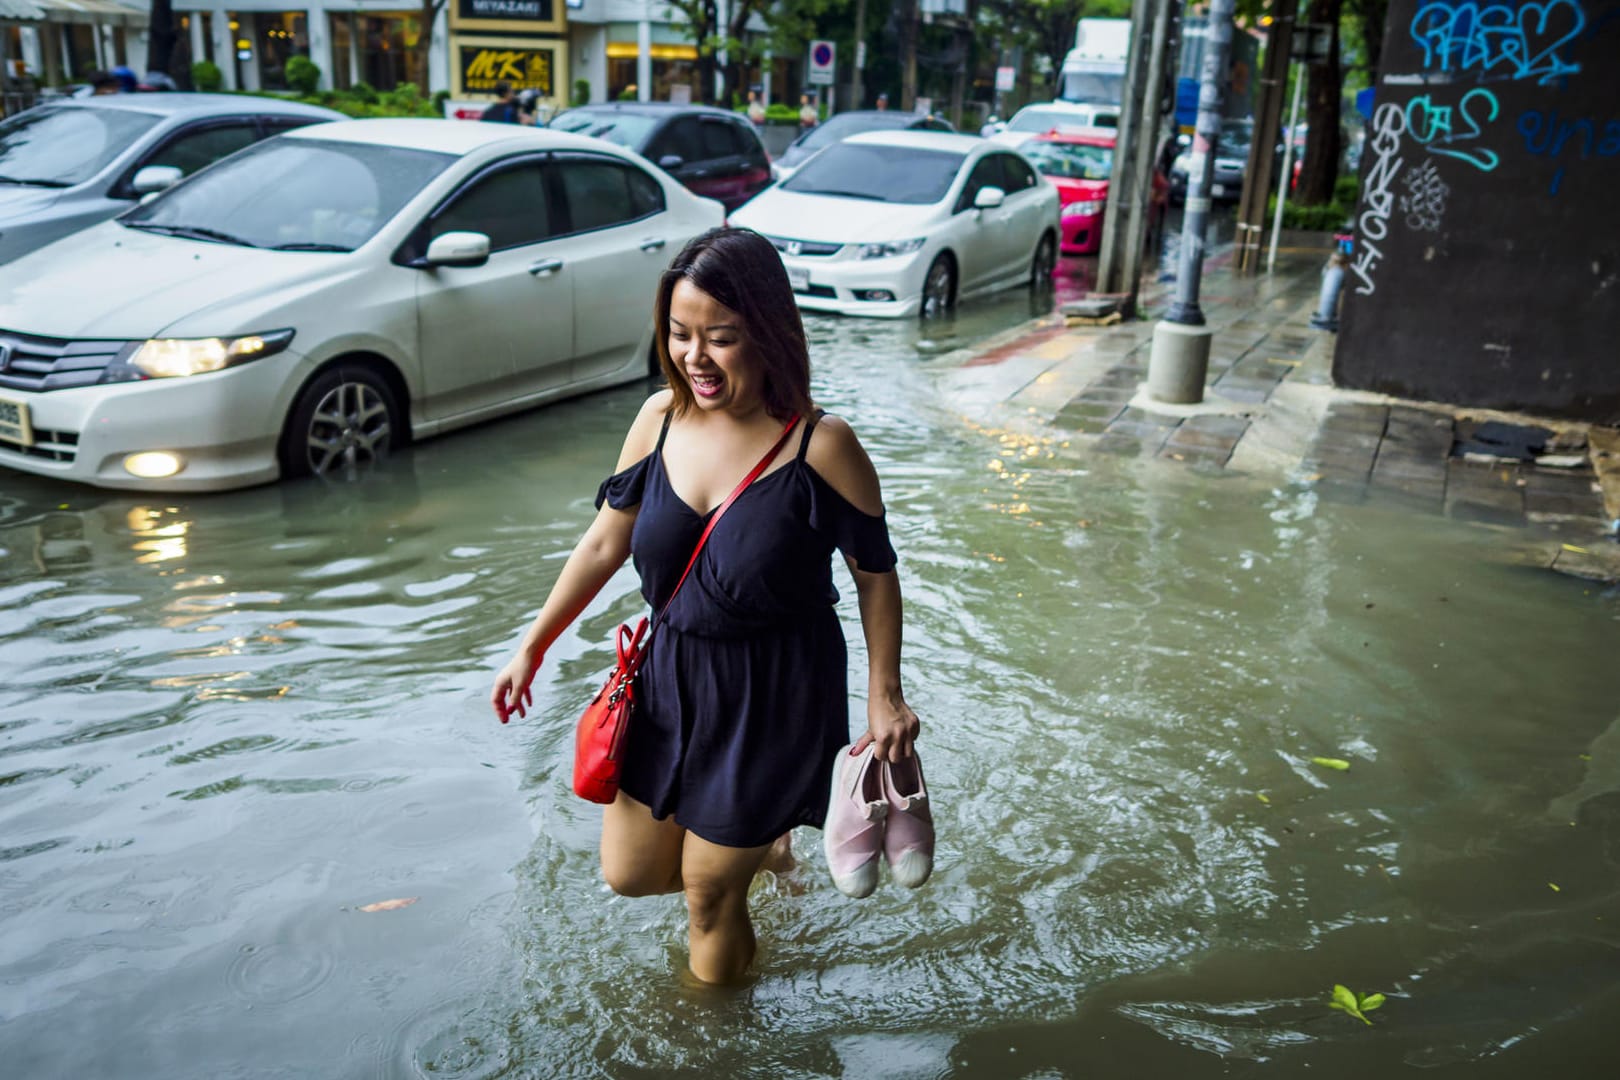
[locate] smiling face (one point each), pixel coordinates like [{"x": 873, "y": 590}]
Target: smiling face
[{"x": 710, "y": 350}]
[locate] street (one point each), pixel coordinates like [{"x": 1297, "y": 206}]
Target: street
[{"x": 235, "y": 722}]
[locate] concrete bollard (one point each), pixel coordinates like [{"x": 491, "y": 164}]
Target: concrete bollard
[
  {"x": 1179, "y": 363},
  {"x": 1326, "y": 316}
]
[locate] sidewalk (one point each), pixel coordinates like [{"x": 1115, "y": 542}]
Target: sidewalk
[{"x": 1271, "y": 408}]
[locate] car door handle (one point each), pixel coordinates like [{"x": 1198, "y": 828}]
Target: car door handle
[
  {"x": 545, "y": 266},
  {"x": 652, "y": 243}
]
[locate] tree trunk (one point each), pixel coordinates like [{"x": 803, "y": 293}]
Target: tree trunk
[
  {"x": 162, "y": 36},
  {"x": 909, "y": 28},
  {"x": 1323, "y": 88},
  {"x": 424, "y": 43},
  {"x": 1374, "y": 17}
]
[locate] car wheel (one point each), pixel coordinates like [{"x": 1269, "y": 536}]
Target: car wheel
[
  {"x": 345, "y": 420},
  {"x": 939, "y": 287},
  {"x": 1041, "y": 266}
]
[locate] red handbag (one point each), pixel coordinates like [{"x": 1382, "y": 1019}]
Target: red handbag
[{"x": 599, "y": 739}]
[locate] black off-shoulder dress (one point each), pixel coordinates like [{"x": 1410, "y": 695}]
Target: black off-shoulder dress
[{"x": 742, "y": 700}]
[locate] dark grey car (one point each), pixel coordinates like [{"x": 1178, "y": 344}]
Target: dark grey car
[{"x": 74, "y": 162}]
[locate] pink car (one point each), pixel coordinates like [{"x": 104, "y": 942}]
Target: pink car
[{"x": 1078, "y": 162}]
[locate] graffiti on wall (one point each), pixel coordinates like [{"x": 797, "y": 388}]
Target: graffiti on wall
[{"x": 1470, "y": 54}]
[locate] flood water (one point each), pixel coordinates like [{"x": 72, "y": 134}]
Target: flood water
[{"x": 227, "y": 724}]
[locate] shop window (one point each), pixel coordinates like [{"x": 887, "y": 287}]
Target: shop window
[{"x": 282, "y": 36}]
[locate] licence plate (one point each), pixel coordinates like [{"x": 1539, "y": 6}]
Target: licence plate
[
  {"x": 1217, "y": 190},
  {"x": 799, "y": 278},
  {"x": 14, "y": 425}
]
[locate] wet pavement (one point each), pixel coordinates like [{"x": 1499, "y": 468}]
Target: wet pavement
[{"x": 232, "y": 726}]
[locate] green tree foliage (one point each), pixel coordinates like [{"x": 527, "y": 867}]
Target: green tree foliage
[
  {"x": 206, "y": 76},
  {"x": 302, "y": 75},
  {"x": 789, "y": 27}
]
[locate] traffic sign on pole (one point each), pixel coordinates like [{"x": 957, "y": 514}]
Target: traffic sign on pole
[{"x": 823, "y": 63}]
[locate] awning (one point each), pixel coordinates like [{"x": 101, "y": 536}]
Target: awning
[{"x": 106, "y": 12}]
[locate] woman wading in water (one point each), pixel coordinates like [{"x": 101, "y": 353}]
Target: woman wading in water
[{"x": 741, "y": 702}]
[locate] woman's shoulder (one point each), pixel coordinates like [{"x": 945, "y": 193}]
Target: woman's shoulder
[
  {"x": 642, "y": 438},
  {"x": 836, "y": 455}
]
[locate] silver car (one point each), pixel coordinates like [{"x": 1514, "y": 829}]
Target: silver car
[{"x": 78, "y": 161}]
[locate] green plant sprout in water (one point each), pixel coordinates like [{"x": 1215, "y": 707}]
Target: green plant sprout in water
[{"x": 1357, "y": 1005}]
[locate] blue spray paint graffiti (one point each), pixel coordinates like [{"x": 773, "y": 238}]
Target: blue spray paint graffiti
[
  {"x": 1546, "y": 136},
  {"x": 1499, "y": 41},
  {"x": 1432, "y": 124}
]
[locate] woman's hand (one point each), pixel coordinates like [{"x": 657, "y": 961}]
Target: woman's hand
[
  {"x": 891, "y": 725},
  {"x": 511, "y": 693}
]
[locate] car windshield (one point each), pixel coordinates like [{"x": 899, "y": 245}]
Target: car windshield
[
  {"x": 1071, "y": 161},
  {"x": 59, "y": 146},
  {"x": 294, "y": 194},
  {"x": 1088, "y": 86},
  {"x": 629, "y": 130},
  {"x": 896, "y": 174},
  {"x": 1236, "y": 135},
  {"x": 1049, "y": 119},
  {"x": 842, "y": 126}
]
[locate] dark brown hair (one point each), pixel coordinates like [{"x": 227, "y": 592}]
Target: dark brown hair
[{"x": 741, "y": 270}]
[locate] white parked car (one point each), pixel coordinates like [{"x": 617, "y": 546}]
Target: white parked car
[
  {"x": 1033, "y": 120},
  {"x": 897, "y": 223},
  {"x": 320, "y": 297}
]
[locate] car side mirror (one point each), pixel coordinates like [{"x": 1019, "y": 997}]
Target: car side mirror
[
  {"x": 458, "y": 249},
  {"x": 671, "y": 161},
  {"x": 989, "y": 198},
  {"x": 155, "y": 178}
]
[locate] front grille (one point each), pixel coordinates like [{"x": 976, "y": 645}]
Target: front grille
[
  {"x": 40, "y": 364},
  {"x": 805, "y": 247},
  {"x": 60, "y": 446},
  {"x": 826, "y": 292}
]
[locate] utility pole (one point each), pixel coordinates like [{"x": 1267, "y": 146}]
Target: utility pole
[
  {"x": 1180, "y": 356},
  {"x": 857, "y": 70},
  {"x": 1154, "y": 26},
  {"x": 1257, "y": 175}
]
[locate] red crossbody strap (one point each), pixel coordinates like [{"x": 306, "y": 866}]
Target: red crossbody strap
[{"x": 719, "y": 512}]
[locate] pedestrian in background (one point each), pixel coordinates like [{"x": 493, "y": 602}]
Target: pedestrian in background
[
  {"x": 756, "y": 109},
  {"x": 741, "y": 701},
  {"x": 505, "y": 109},
  {"x": 808, "y": 116},
  {"x": 883, "y": 103}
]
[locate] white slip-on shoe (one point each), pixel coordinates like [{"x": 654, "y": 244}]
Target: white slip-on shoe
[{"x": 908, "y": 832}]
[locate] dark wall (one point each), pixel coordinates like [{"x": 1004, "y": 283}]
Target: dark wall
[{"x": 1486, "y": 268}]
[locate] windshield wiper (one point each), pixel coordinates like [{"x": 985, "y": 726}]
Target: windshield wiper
[
  {"x": 845, "y": 194},
  {"x": 193, "y": 232},
  {"x": 34, "y": 183},
  {"x": 310, "y": 245}
]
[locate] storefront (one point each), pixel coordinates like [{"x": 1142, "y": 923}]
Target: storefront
[
  {"x": 55, "y": 42},
  {"x": 521, "y": 42}
]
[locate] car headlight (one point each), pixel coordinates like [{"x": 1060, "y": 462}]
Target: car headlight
[
  {"x": 892, "y": 247},
  {"x": 1084, "y": 208},
  {"x": 170, "y": 358}
]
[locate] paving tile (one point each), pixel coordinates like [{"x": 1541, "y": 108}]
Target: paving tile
[
  {"x": 1194, "y": 456},
  {"x": 1185, "y": 438},
  {"x": 1117, "y": 443},
  {"x": 1106, "y": 395},
  {"x": 1218, "y": 423},
  {"x": 1247, "y": 395},
  {"x": 1142, "y": 416},
  {"x": 1553, "y": 505}
]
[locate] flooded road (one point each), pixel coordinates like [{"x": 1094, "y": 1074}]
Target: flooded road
[{"x": 230, "y": 724}]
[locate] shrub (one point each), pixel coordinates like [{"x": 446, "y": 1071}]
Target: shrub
[
  {"x": 206, "y": 76},
  {"x": 1329, "y": 217},
  {"x": 778, "y": 113},
  {"x": 582, "y": 92},
  {"x": 1347, "y": 191},
  {"x": 362, "y": 91},
  {"x": 627, "y": 94},
  {"x": 302, "y": 75}
]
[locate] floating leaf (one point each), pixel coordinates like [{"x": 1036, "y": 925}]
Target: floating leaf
[
  {"x": 391, "y": 905},
  {"x": 1262, "y": 797},
  {"x": 1331, "y": 763},
  {"x": 1371, "y": 1002},
  {"x": 1576, "y": 550},
  {"x": 1553, "y": 887}
]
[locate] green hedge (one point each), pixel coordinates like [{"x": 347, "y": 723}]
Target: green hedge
[
  {"x": 1329, "y": 217},
  {"x": 364, "y": 102}
]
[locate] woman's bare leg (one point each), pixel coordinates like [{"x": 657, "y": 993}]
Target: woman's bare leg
[
  {"x": 716, "y": 880},
  {"x": 779, "y": 859},
  {"x": 641, "y": 856}
]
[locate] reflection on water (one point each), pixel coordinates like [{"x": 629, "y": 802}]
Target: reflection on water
[{"x": 231, "y": 723}]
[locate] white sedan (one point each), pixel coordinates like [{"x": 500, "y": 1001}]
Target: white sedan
[
  {"x": 897, "y": 223},
  {"x": 320, "y": 297}
]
